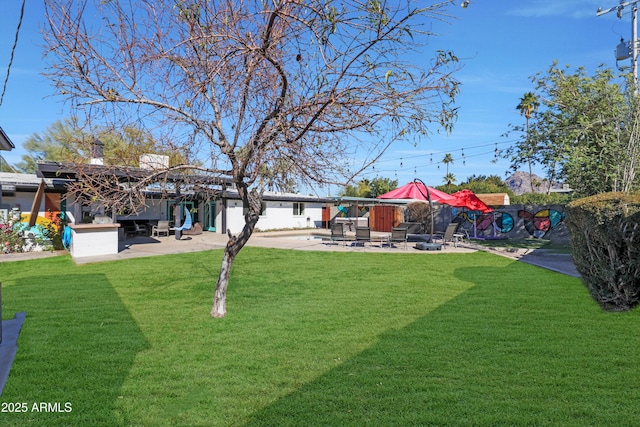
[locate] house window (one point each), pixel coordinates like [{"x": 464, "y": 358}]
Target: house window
[{"x": 298, "y": 209}]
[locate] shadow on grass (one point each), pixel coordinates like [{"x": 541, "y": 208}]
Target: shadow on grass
[
  {"x": 502, "y": 353},
  {"x": 76, "y": 348}
]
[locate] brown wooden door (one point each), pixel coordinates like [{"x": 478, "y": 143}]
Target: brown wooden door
[
  {"x": 383, "y": 218},
  {"x": 326, "y": 216}
]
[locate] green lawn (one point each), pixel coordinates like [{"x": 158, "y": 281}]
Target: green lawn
[{"x": 317, "y": 339}]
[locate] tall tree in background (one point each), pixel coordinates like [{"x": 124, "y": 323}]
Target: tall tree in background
[
  {"x": 479, "y": 184},
  {"x": 449, "y": 178},
  {"x": 358, "y": 189},
  {"x": 5, "y": 166},
  {"x": 380, "y": 186},
  {"x": 587, "y": 129},
  {"x": 528, "y": 105},
  {"x": 307, "y": 82},
  {"x": 370, "y": 188},
  {"x": 64, "y": 141}
]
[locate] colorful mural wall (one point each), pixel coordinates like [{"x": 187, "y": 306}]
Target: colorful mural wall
[{"x": 515, "y": 222}]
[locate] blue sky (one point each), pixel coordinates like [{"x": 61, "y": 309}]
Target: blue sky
[{"x": 501, "y": 44}]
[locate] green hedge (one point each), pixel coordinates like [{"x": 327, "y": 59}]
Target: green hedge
[
  {"x": 605, "y": 242},
  {"x": 542, "y": 199}
]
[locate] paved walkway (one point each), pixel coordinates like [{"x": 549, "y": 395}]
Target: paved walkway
[
  {"x": 551, "y": 260},
  {"x": 141, "y": 246}
]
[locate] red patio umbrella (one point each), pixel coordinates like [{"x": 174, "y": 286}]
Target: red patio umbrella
[
  {"x": 467, "y": 199},
  {"x": 418, "y": 191}
]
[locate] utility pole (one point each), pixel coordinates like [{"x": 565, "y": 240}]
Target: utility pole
[{"x": 624, "y": 51}]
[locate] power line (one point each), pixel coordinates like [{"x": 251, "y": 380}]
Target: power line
[
  {"x": 632, "y": 48},
  {"x": 13, "y": 50}
]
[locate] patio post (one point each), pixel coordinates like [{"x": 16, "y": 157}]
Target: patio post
[
  {"x": 416, "y": 180},
  {"x": 177, "y": 221}
]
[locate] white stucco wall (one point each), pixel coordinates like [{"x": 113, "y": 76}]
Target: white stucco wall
[
  {"x": 277, "y": 215},
  {"x": 94, "y": 240},
  {"x": 235, "y": 216},
  {"x": 22, "y": 200},
  {"x": 280, "y": 215}
]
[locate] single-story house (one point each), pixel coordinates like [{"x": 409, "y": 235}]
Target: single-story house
[{"x": 216, "y": 211}]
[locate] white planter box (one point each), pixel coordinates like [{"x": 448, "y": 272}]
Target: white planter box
[{"x": 94, "y": 239}]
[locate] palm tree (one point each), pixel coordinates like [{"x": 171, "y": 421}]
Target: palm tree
[
  {"x": 449, "y": 179},
  {"x": 448, "y": 158},
  {"x": 528, "y": 104}
]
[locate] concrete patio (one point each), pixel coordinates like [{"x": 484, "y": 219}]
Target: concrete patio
[{"x": 140, "y": 246}]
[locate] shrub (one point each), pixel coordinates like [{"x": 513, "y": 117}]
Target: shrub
[
  {"x": 418, "y": 212},
  {"x": 605, "y": 242},
  {"x": 542, "y": 199},
  {"x": 18, "y": 237},
  {"x": 11, "y": 239}
]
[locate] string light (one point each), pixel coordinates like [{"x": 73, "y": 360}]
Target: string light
[{"x": 381, "y": 170}]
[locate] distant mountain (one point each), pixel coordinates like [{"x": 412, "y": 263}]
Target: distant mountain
[{"x": 520, "y": 183}]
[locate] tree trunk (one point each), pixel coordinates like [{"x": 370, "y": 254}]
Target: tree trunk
[
  {"x": 234, "y": 245},
  {"x": 219, "y": 308},
  {"x": 530, "y": 153},
  {"x": 531, "y": 176}
]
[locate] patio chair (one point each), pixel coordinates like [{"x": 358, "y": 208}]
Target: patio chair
[
  {"x": 398, "y": 235},
  {"x": 140, "y": 229},
  {"x": 363, "y": 234},
  {"x": 450, "y": 235},
  {"x": 337, "y": 233},
  {"x": 162, "y": 227}
]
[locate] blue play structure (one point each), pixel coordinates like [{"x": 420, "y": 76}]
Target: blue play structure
[
  {"x": 344, "y": 211},
  {"x": 187, "y": 221},
  {"x": 66, "y": 238}
]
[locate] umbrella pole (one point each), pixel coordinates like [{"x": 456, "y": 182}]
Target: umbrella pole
[
  {"x": 416, "y": 180},
  {"x": 493, "y": 222},
  {"x": 475, "y": 226},
  {"x": 430, "y": 213}
]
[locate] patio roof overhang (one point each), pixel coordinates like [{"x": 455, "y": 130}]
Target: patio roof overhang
[
  {"x": 71, "y": 171},
  {"x": 363, "y": 201},
  {"x": 12, "y": 182},
  {"x": 5, "y": 142}
]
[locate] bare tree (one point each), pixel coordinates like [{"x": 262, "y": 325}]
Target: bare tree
[{"x": 241, "y": 86}]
